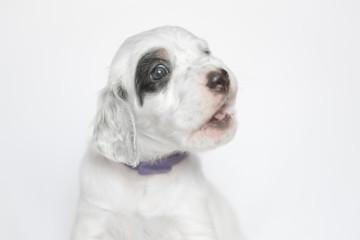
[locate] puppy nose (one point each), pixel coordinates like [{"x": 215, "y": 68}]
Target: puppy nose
[{"x": 218, "y": 81}]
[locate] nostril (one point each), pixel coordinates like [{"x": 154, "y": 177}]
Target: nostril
[
  {"x": 225, "y": 73},
  {"x": 218, "y": 81}
]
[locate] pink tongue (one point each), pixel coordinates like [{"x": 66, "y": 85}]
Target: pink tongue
[{"x": 220, "y": 116}]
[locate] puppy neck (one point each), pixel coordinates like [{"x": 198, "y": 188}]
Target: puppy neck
[{"x": 163, "y": 165}]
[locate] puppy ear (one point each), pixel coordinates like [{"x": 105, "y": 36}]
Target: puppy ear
[{"x": 114, "y": 131}]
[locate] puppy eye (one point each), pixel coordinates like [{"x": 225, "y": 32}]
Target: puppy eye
[{"x": 159, "y": 72}]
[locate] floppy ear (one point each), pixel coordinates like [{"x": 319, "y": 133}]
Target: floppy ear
[{"x": 114, "y": 131}]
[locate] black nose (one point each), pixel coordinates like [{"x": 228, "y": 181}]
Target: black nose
[{"x": 218, "y": 81}]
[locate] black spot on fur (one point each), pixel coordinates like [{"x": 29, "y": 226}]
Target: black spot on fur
[
  {"x": 122, "y": 93},
  {"x": 143, "y": 83}
]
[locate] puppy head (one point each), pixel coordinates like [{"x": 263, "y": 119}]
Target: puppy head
[{"x": 165, "y": 93}]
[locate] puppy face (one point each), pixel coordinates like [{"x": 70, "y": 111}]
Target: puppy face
[{"x": 179, "y": 97}]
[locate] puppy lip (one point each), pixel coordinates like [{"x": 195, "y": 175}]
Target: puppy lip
[
  {"x": 219, "y": 115},
  {"x": 220, "y": 119}
]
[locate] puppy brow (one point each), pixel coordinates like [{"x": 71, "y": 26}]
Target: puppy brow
[{"x": 154, "y": 55}]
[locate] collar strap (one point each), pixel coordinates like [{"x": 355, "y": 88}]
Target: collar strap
[{"x": 159, "y": 166}]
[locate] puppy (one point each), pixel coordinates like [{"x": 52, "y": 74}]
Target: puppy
[{"x": 166, "y": 98}]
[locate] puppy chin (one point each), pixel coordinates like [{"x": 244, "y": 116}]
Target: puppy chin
[{"x": 212, "y": 135}]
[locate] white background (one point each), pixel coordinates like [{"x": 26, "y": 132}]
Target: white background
[{"x": 293, "y": 169}]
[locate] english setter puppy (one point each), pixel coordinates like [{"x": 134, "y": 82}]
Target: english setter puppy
[{"x": 166, "y": 98}]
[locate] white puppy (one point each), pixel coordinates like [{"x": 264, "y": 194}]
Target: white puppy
[{"x": 166, "y": 98}]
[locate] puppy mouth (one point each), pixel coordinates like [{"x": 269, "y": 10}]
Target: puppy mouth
[{"x": 219, "y": 120}]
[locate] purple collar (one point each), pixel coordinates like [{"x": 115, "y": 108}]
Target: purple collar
[{"x": 159, "y": 166}]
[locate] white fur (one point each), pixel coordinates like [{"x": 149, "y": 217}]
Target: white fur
[{"x": 115, "y": 201}]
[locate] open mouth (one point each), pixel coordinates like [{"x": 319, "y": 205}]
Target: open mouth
[{"x": 220, "y": 119}]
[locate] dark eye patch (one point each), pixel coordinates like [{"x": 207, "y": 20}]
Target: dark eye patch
[{"x": 144, "y": 84}]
